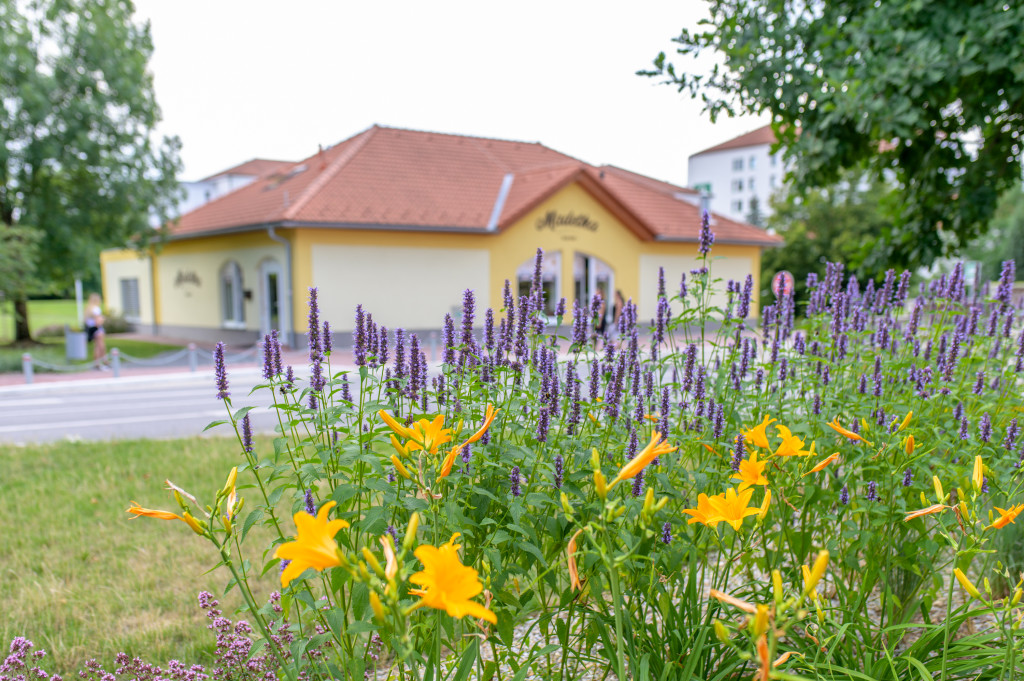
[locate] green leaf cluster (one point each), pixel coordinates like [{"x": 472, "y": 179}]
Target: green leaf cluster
[
  {"x": 927, "y": 93},
  {"x": 79, "y": 160}
]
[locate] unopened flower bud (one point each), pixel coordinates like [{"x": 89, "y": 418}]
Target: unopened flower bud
[
  {"x": 410, "y": 533},
  {"x": 600, "y": 484},
  {"x": 400, "y": 467},
  {"x": 230, "y": 484},
  {"x": 760, "y": 623},
  {"x": 721, "y": 632},
  {"x": 373, "y": 562},
  {"x": 1016, "y": 598},
  {"x": 566, "y": 506},
  {"x": 967, "y": 584},
  {"x": 197, "y": 525},
  {"x": 379, "y": 611},
  {"x": 777, "y": 587},
  {"x": 817, "y": 571},
  {"x": 940, "y": 495}
]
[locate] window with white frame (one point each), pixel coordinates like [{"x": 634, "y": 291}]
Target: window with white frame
[
  {"x": 774, "y": 160},
  {"x": 737, "y": 185},
  {"x": 232, "y": 297},
  {"x": 771, "y": 181},
  {"x": 737, "y": 163},
  {"x": 750, "y": 184},
  {"x": 752, "y": 162},
  {"x": 737, "y": 206},
  {"x": 130, "y": 298}
]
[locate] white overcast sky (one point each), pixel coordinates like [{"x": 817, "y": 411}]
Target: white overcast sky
[{"x": 259, "y": 78}]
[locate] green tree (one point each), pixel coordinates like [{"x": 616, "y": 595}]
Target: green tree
[
  {"x": 835, "y": 224},
  {"x": 928, "y": 92},
  {"x": 1005, "y": 239},
  {"x": 78, "y": 160}
]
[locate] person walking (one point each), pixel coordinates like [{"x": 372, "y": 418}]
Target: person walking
[{"x": 94, "y": 330}]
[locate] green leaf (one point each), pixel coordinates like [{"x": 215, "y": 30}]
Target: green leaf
[{"x": 468, "y": 660}]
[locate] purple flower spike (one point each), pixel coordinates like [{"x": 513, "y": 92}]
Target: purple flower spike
[
  {"x": 559, "y": 471},
  {"x": 220, "y": 372},
  {"x": 844, "y": 495},
  {"x": 666, "y": 533},
  {"x": 707, "y": 237},
  {"x": 514, "y": 482},
  {"x": 314, "y": 324},
  {"x": 246, "y": 434},
  {"x": 310, "y": 503}
]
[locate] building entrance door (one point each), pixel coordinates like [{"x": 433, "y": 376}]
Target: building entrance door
[
  {"x": 592, "y": 275},
  {"x": 271, "y": 295}
]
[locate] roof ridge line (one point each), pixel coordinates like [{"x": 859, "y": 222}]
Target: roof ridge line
[{"x": 316, "y": 185}]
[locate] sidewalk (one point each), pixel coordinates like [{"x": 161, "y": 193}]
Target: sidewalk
[{"x": 235, "y": 358}]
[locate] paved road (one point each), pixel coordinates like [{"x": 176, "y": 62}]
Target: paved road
[{"x": 157, "y": 406}]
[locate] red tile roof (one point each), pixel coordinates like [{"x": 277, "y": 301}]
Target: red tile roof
[
  {"x": 255, "y": 166},
  {"x": 763, "y": 135},
  {"x": 388, "y": 178}
]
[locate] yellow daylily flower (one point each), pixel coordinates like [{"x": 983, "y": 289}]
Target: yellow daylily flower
[
  {"x": 570, "y": 555},
  {"x": 934, "y": 508},
  {"x": 820, "y": 466},
  {"x": 428, "y": 435},
  {"x": 758, "y": 435},
  {"x": 732, "y": 508},
  {"x": 448, "y": 584},
  {"x": 653, "y": 450},
  {"x": 751, "y": 472},
  {"x": 849, "y": 434},
  {"x": 978, "y": 475},
  {"x": 791, "y": 445},
  {"x": 489, "y": 415},
  {"x": 314, "y": 545},
  {"x": 393, "y": 424},
  {"x": 151, "y": 513},
  {"x": 1006, "y": 516},
  {"x": 703, "y": 513}
]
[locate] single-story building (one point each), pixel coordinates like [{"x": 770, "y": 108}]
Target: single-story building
[{"x": 403, "y": 222}]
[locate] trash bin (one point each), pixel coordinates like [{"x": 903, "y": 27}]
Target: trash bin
[{"x": 76, "y": 345}]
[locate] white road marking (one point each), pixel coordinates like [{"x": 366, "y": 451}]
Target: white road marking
[
  {"x": 37, "y": 402},
  {"x": 111, "y": 422}
]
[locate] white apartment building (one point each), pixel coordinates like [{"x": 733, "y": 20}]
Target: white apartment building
[
  {"x": 738, "y": 172},
  {"x": 203, "y": 191}
]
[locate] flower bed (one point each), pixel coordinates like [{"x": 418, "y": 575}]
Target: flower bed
[{"x": 823, "y": 495}]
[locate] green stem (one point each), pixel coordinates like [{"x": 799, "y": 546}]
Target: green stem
[{"x": 617, "y": 605}]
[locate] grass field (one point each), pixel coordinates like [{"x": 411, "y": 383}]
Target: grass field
[
  {"x": 41, "y": 313},
  {"x": 80, "y": 578}
]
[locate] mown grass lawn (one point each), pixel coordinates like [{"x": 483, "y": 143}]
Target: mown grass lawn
[
  {"x": 41, "y": 313},
  {"x": 80, "y": 578}
]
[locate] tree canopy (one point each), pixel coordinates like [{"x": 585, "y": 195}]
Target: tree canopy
[
  {"x": 79, "y": 162},
  {"x": 835, "y": 224},
  {"x": 926, "y": 93}
]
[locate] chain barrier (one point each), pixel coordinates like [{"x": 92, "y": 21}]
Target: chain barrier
[
  {"x": 114, "y": 358},
  {"x": 155, "y": 361}
]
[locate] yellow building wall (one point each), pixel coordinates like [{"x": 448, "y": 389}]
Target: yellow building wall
[
  {"x": 123, "y": 263},
  {"x": 404, "y": 279},
  {"x": 188, "y": 278},
  {"x": 411, "y": 279}
]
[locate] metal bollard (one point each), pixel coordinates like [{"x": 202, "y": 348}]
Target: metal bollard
[
  {"x": 115, "y": 362},
  {"x": 193, "y": 359},
  {"x": 26, "y": 367}
]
